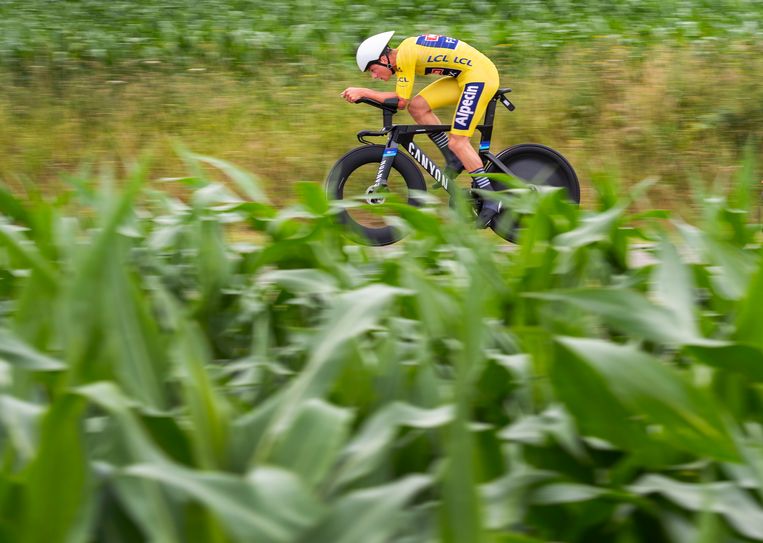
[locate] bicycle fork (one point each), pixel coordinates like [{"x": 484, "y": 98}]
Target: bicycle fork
[{"x": 382, "y": 175}]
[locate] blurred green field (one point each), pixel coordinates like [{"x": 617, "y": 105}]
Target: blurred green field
[
  {"x": 676, "y": 113},
  {"x": 191, "y": 350},
  {"x": 242, "y": 33},
  {"x": 644, "y": 89}
]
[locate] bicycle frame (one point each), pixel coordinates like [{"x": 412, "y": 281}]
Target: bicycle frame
[{"x": 402, "y": 136}]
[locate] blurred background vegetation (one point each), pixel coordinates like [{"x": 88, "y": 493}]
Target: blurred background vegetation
[{"x": 666, "y": 89}]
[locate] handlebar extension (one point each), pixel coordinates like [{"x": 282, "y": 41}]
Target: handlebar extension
[{"x": 390, "y": 104}]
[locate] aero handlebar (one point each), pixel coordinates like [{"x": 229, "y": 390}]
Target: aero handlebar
[{"x": 390, "y": 104}]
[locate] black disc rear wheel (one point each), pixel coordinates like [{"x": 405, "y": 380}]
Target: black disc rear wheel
[{"x": 538, "y": 165}]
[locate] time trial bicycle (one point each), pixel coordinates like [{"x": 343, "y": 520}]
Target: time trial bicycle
[{"x": 371, "y": 172}]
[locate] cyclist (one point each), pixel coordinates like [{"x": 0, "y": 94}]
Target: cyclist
[{"x": 470, "y": 81}]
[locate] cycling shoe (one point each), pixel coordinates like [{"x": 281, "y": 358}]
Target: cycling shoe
[{"x": 489, "y": 211}]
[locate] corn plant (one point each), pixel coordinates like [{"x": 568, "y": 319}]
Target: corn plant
[{"x": 214, "y": 368}]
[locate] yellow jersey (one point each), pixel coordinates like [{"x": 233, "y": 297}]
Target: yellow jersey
[{"x": 433, "y": 54}]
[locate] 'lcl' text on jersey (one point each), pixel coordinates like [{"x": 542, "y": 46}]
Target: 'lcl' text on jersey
[{"x": 444, "y": 58}]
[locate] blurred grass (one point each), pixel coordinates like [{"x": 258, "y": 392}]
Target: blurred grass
[{"x": 672, "y": 113}]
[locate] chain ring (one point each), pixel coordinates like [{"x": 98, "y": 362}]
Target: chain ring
[{"x": 373, "y": 190}]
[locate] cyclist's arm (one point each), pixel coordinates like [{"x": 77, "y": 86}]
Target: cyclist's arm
[{"x": 353, "y": 94}]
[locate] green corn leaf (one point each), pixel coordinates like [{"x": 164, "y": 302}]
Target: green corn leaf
[
  {"x": 505, "y": 500},
  {"x": 749, "y": 325},
  {"x": 212, "y": 264},
  {"x": 559, "y": 493},
  {"x": 145, "y": 503},
  {"x": 37, "y": 296},
  {"x": 248, "y": 429},
  {"x": 215, "y": 197},
  {"x": 21, "y": 421},
  {"x": 370, "y": 515},
  {"x": 688, "y": 417},
  {"x": 302, "y": 281},
  {"x": 311, "y": 445},
  {"x": 419, "y": 219},
  {"x": 27, "y": 253},
  {"x": 249, "y": 184},
  {"x": 269, "y": 505},
  {"x": 138, "y": 445},
  {"x": 371, "y": 446},
  {"x": 730, "y": 268},
  {"x": 592, "y": 229},
  {"x": 82, "y": 324},
  {"x": 673, "y": 289},
  {"x": 435, "y": 304},
  {"x": 20, "y": 355},
  {"x": 461, "y": 515},
  {"x": 553, "y": 423},
  {"x": 209, "y": 412},
  {"x": 140, "y": 359},
  {"x": 598, "y": 410},
  {"x": 742, "y": 359},
  {"x": 170, "y": 434},
  {"x": 13, "y": 207},
  {"x": 354, "y": 313},
  {"x": 144, "y": 500},
  {"x": 461, "y": 508},
  {"x": 629, "y": 312},
  {"x": 313, "y": 197},
  {"x": 724, "y": 498},
  {"x": 56, "y": 489}
]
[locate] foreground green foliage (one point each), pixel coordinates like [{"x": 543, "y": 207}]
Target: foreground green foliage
[{"x": 162, "y": 381}]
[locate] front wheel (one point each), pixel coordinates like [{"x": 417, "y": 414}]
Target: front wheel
[
  {"x": 538, "y": 165},
  {"x": 353, "y": 177}
]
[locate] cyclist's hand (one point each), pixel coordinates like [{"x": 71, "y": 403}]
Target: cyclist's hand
[{"x": 353, "y": 94}]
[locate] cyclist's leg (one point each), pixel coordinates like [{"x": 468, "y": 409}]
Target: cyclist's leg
[
  {"x": 440, "y": 93},
  {"x": 478, "y": 89}
]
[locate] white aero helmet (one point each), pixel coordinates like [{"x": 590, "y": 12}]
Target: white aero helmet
[{"x": 372, "y": 48}]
